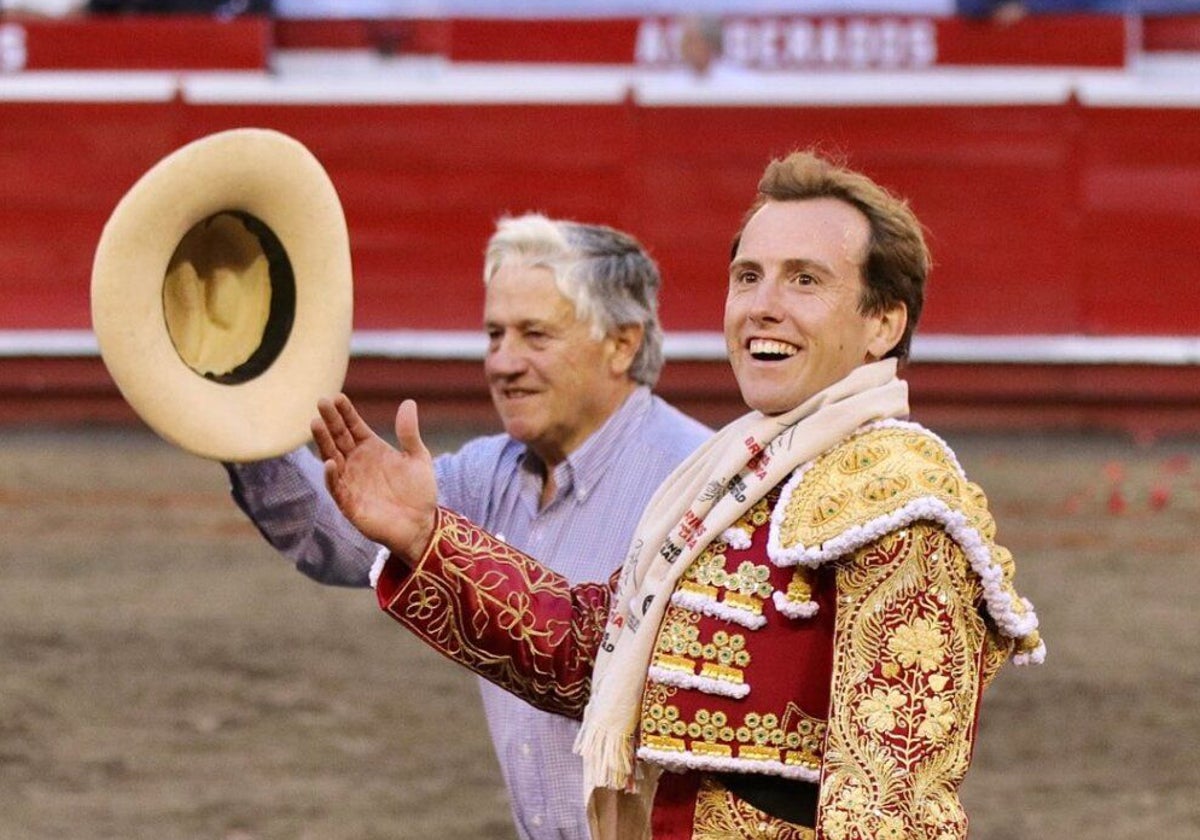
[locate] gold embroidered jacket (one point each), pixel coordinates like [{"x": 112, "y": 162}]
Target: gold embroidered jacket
[{"x": 841, "y": 632}]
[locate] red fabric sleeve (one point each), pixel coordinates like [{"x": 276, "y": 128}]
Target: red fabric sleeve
[{"x": 500, "y": 613}]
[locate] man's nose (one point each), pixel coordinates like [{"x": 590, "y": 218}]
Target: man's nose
[
  {"x": 505, "y": 356},
  {"x": 766, "y": 303}
]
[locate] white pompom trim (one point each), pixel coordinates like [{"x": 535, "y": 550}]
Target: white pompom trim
[
  {"x": 381, "y": 558},
  {"x": 794, "y": 609},
  {"x": 683, "y": 761},
  {"x": 735, "y": 537},
  {"x": 705, "y": 685},
  {"x": 713, "y": 608},
  {"x": 1032, "y": 657}
]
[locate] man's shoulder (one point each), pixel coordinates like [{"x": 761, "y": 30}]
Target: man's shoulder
[
  {"x": 668, "y": 428},
  {"x": 882, "y": 479},
  {"x": 887, "y": 472},
  {"x": 643, "y": 445},
  {"x": 887, "y": 447}
]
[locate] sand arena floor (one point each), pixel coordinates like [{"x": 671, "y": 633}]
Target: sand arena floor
[{"x": 163, "y": 674}]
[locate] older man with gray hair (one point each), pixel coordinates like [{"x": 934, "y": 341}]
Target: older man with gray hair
[{"x": 574, "y": 348}]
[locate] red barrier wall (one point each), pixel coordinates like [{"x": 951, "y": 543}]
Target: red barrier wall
[
  {"x": 142, "y": 42},
  {"x": 1139, "y": 202},
  {"x": 1042, "y": 219}
]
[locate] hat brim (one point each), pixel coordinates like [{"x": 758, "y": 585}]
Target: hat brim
[{"x": 275, "y": 179}]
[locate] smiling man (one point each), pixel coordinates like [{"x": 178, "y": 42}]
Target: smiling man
[
  {"x": 795, "y": 324},
  {"x": 574, "y": 347},
  {"x": 811, "y": 605}
]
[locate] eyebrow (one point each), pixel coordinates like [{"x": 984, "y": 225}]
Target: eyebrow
[
  {"x": 790, "y": 266},
  {"x": 523, "y": 324},
  {"x": 744, "y": 262}
]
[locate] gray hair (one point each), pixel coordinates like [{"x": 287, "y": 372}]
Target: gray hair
[{"x": 606, "y": 274}]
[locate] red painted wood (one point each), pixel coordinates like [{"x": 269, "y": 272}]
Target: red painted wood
[
  {"x": 139, "y": 42},
  {"x": 1140, "y": 199},
  {"x": 63, "y": 169},
  {"x": 398, "y": 36},
  {"x": 1042, "y": 219},
  {"x": 422, "y": 187},
  {"x": 1037, "y": 40},
  {"x": 182, "y": 42},
  {"x": 1171, "y": 33},
  {"x": 993, "y": 185},
  {"x": 593, "y": 41}
]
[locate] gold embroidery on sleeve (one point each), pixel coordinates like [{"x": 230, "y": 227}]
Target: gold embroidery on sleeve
[
  {"x": 890, "y": 475},
  {"x": 908, "y": 645},
  {"x": 455, "y": 609}
]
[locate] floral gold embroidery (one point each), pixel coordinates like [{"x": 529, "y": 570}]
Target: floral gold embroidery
[
  {"x": 861, "y": 455},
  {"x": 919, "y": 643},
  {"x": 722, "y": 816},
  {"x": 884, "y": 488},
  {"x": 941, "y": 480},
  {"x": 908, "y": 647},
  {"x": 896, "y": 454},
  {"x": 830, "y": 509},
  {"x": 878, "y": 711}
]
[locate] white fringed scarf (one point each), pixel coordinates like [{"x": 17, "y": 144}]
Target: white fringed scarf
[{"x": 706, "y": 494}]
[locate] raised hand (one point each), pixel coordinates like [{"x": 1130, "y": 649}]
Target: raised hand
[{"x": 389, "y": 494}]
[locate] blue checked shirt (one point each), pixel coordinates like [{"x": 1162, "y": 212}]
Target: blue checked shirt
[{"x": 583, "y": 534}]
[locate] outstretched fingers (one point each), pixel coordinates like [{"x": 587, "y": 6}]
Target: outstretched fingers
[
  {"x": 355, "y": 425},
  {"x": 338, "y": 429},
  {"x": 323, "y": 437}
]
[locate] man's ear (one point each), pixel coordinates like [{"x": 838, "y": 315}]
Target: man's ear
[
  {"x": 889, "y": 329},
  {"x": 625, "y": 341}
]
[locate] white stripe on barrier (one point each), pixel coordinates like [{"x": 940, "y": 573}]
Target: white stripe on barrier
[
  {"x": 1143, "y": 90},
  {"x": 62, "y": 86},
  {"x": 454, "y": 345},
  {"x": 943, "y": 86},
  {"x": 428, "y": 83},
  {"x": 315, "y": 78}
]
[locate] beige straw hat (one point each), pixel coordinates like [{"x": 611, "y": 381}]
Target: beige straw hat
[{"x": 222, "y": 294}]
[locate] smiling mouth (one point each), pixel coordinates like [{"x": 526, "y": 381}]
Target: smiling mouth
[
  {"x": 768, "y": 350},
  {"x": 515, "y": 393}
]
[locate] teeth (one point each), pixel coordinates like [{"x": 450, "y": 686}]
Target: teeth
[{"x": 766, "y": 347}]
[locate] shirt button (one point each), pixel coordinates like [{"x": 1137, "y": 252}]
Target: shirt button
[
  {"x": 537, "y": 819},
  {"x": 525, "y": 750}
]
